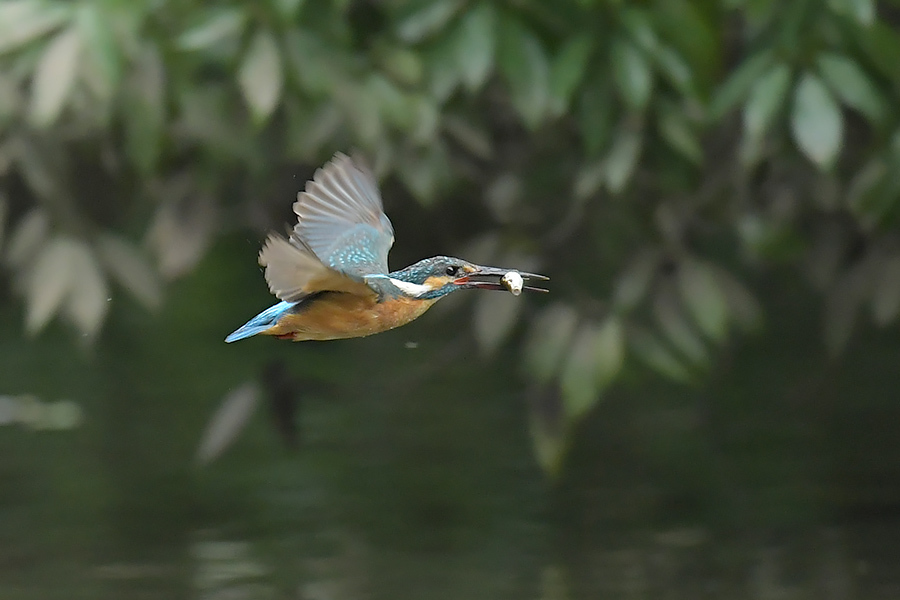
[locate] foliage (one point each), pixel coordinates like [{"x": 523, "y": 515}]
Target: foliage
[{"x": 669, "y": 147}]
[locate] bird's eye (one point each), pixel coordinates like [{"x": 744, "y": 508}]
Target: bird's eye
[{"x": 452, "y": 270}]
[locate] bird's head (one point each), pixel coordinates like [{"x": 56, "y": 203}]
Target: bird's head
[{"x": 435, "y": 277}]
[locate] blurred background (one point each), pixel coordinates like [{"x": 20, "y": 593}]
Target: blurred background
[{"x": 705, "y": 405}]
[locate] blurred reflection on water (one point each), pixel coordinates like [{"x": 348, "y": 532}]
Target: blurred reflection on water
[
  {"x": 830, "y": 564},
  {"x": 404, "y": 469}
]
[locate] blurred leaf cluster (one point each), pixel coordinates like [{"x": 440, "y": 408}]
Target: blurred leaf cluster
[{"x": 653, "y": 157}]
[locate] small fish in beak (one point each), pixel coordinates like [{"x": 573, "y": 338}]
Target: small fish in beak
[
  {"x": 513, "y": 282},
  {"x": 493, "y": 278}
]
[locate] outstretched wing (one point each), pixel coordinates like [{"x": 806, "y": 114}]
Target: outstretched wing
[
  {"x": 342, "y": 221},
  {"x": 294, "y": 272}
]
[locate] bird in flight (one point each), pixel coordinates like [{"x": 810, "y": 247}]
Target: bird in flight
[{"x": 331, "y": 275}]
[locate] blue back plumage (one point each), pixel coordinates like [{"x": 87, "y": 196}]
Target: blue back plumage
[
  {"x": 261, "y": 322},
  {"x": 359, "y": 251},
  {"x": 341, "y": 219}
]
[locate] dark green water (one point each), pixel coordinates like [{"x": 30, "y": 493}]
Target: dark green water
[{"x": 413, "y": 475}]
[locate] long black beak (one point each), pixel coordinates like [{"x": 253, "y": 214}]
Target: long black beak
[{"x": 491, "y": 278}]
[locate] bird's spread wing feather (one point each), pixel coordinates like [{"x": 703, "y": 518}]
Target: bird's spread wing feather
[
  {"x": 294, "y": 272},
  {"x": 342, "y": 221}
]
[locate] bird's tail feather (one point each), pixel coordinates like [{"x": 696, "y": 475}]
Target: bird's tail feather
[{"x": 260, "y": 322}]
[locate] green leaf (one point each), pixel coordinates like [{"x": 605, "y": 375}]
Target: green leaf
[
  {"x": 653, "y": 353},
  {"x": 220, "y": 25},
  {"x": 595, "y": 114},
  {"x": 206, "y": 117},
  {"x": 703, "y": 298},
  {"x": 475, "y": 45},
  {"x": 43, "y": 167},
  {"x": 675, "y": 69},
  {"x": 261, "y": 76},
  {"x": 363, "y": 112},
  {"x": 765, "y": 101},
  {"x": 288, "y": 9},
  {"x": 425, "y": 119},
  {"x": 872, "y": 193},
  {"x": 687, "y": 27},
  {"x": 881, "y": 43},
  {"x": 578, "y": 379},
  {"x": 636, "y": 22},
  {"x": 22, "y": 21},
  {"x": 862, "y": 11},
  {"x": 549, "y": 434},
  {"x": 551, "y": 333},
  {"x": 635, "y": 280},
  {"x": 738, "y": 85},
  {"x": 816, "y": 121},
  {"x": 472, "y": 138},
  {"x": 10, "y": 106},
  {"x": 27, "y": 238},
  {"x": 495, "y": 316},
  {"x": 181, "y": 231},
  {"x": 424, "y": 172},
  {"x": 677, "y": 132},
  {"x": 750, "y": 151},
  {"x": 443, "y": 69},
  {"x": 589, "y": 179},
  {"x": 567, "y": 71},
  {"x": 632, "y": 73},
  {"x": 850, "y": 83},
  {"x": 88, "y": 301},
  {"x": 131, "y": 269},
  {"x": 503, "y": 196},
  {"x": 742, "y": 305},
  {"x": 842, "y": 304},
  {"x": 144, "y": 109},
  {"x": 316, "y": 67},
  {"x": 427, "y": 20},
  {"x": 610, "y": 350},
  {"x": 524, "y": 64},
  {"x": 307, "y": 132},
  {"x": 404, "y": 66},
  {"x": 54, "y": 77},
  {"x": 104, "y": 66},
  {"x": 667, "y": 310},
  {"x": 555, "y": 583},
  {"x": 4, "y": 213},
  {"x": 49, "y": 282},
  {"x": 392, "y": 103},
  {"x": 622, "y": 159},
  {"x": 767, "y": 237},
  {"x": 229, "y": 420},
  {"x": 886, "y": 299},
  {"x": 594, "y": 360}
]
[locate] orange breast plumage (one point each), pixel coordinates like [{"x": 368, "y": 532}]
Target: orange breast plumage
[{"x": 338, "y": 315}]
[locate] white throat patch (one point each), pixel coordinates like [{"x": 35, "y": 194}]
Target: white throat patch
[{"x": 413, "y": 289}]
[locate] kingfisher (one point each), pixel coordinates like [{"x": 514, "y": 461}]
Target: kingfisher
[{"x": 331, "y": 273}]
